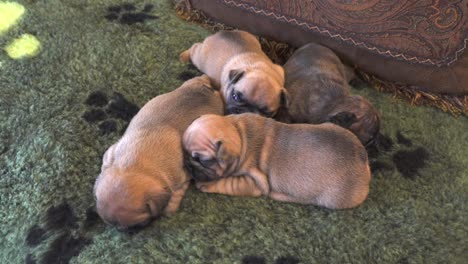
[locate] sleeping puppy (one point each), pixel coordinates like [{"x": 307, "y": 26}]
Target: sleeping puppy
[
  {"x": 317, "y": 83},
  {"x": 250, "y": 155},
  {"x": 142, "y": 175},
  {"x": 248, "y": 79}
]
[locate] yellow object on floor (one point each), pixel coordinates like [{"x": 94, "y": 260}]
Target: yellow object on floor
[
  {"x": 10, "y": 13},
  {"x": 25, "y": 46}
]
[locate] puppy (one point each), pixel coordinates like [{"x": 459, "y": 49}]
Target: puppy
[
  {"x": 248, "y": 79},
  {"x": 317, "y": 83},
  {"x": 142, "y": 175},
  {"x": 250, "y": 155}
]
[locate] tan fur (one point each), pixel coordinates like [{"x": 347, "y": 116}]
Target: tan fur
[
  {"x": 263, "y": 81},
  {"x": 324, "y": 165},
  {"x": 142, "y": 175}
]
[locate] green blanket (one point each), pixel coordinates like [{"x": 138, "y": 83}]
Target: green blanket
[{"x": 69, "y": 89}]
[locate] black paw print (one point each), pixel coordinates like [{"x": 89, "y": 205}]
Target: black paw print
[
  {"x": 408, "y": 160},
  {"x": 261, "y": 260},
  {"x": 103, "y": 111},
  {"x": 69, "y": 239},
  {"x": 127, "y": 14}
]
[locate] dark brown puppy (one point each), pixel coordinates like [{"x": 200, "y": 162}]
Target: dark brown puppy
[
  {"x": 317, "y": 83},
  {"x": 142, "y": 175},
  {"x": 250, "y": 155}
]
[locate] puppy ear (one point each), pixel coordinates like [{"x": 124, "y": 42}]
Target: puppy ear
[
  {"x": 223, "y": 154},
  {"x": 157, "y": 203},
  {"x": 343, "y": 119},
  {"x": 284, "y": 98},
  {"x": 235, "y": 75}
]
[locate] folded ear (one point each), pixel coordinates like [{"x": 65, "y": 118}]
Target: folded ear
[
  {"x": 343, "y": 119},
  {"x": 224, "y": 155},
  {"x": 157, "y": 202},
  {"x": 284, "y": 98},
  {"x": 235, "y": 75}
]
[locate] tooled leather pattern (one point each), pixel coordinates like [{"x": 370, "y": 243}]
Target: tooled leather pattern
[{"x": 433, "y": 32}]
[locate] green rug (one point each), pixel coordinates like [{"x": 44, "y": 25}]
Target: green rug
[{"x": 63, "y": 106}]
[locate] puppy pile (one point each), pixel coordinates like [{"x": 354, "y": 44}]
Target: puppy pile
[{"x": 184, "y": 134}]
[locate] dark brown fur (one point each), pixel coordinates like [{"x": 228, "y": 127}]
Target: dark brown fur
[{"x": 317, "y": 83}]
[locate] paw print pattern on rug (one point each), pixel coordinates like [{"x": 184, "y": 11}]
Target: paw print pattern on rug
[
  {"x": 261, "y": 260},
  {"x": 61, "y": 223},
  {"x": 104, "y": 111},
  {"x": 127, "y": 14},
  {"x": 408, "y": 160}
]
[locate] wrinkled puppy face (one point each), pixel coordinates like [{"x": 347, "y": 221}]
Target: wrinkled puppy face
[
  {"x": 128, "y": 199},
  {"x": 359, "y": 116},
  {"x": 212, "y": 148},
  {"x": 252, "y": 91}
]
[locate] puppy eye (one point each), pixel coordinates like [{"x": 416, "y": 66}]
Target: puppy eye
[{"x": 237, "y": 96}]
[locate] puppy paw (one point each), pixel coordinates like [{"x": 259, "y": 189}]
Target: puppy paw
[
  {"x": 169, "y": 213},
  {"x": 185, "y": 56},
  {"x": 203, "y": 186}
]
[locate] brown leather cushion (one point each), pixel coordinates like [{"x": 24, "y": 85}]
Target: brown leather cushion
[{"x": 418, "y": 43}]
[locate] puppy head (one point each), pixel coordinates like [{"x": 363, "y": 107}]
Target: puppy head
[
  {"x": 254, "y": 91},
  {"x": 212, "y": 148},
  {"x": 129, "y": 198},
  {"x": 358, "y": 115}
]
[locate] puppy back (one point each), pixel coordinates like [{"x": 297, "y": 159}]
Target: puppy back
[
  {"x": 178, "y": 108},
  {"x": 314, "y": 57}
]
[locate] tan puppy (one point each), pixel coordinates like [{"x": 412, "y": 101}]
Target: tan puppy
[
  {"x": 250, "y": 155},
  {"x": 317, "y": 82},
  {"x": 142, "y": 175},
  {"x": 248, "y": 79}
]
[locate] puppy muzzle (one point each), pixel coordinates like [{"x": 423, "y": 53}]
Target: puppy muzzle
[{"x": 196, "y": 170}]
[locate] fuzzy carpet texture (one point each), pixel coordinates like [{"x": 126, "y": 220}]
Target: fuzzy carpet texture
[{"x": 63, "y": 105}]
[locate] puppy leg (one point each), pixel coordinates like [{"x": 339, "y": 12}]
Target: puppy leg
[
  {"x": 282, "y": 197},
  {"x": 175, "y": 200},
  {"x": 261, "y": 180},
  {"x": 186, "y": 55},
  {"x": 235, "y": 186}
]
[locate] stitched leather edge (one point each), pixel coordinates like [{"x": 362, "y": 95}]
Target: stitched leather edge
[{"x": 438, "y": 63}]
